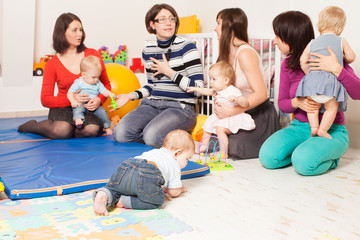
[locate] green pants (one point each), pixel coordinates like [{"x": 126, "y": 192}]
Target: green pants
[{"x": 309, "y": 155}]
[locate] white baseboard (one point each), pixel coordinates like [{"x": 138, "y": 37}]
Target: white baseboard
[{"x": 24, "y": 114}]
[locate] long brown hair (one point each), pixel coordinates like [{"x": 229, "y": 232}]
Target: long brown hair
[
  {"x": 295, "y": 29},
  {"x": 234, "y": 25},
  {"x": 60, "y": 44}
]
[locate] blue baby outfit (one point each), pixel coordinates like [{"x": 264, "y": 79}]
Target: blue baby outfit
[{"x": 321, "y": 82}]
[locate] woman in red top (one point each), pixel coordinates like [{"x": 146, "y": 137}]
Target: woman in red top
[{"x": 63, "y": 69}]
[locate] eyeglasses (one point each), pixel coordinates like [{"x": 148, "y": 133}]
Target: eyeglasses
[{"x": 162, "y": 20}]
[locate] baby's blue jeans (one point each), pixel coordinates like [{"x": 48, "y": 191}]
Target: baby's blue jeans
[
  {"x": 138, "y": 183},
  {"x": 78, "y": 113},
  {"x": 309, "y": 155}
]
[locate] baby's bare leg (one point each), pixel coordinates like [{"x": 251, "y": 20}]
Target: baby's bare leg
[
  {"x": 204, "y": 143},
  {"x": 328, "y": 118},
  {"x": 314, "y": 122},
  {"x": 100, "y": 203},
  {"x": 222, "y": 133}
]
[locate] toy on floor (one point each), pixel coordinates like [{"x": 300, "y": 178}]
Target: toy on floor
[
  {"x": 215, "y": 159},
  {"x": 122, "y": 81},
  {"x": 1, "y": 186},
  {"x": 197, "y": 132},
  {"x": 114, "y": 121}
]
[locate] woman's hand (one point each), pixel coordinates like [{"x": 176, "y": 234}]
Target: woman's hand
[
  {"x": 326, "y": 63},
  {"x": 306, "y": 104},
  {"x": 81, "y": 97},
  {"x": 121, "y": 100},
  {"x": 161, "y": 67},
  {"x": 224, "y": 110},
  {"x": 93, "y": 104}
]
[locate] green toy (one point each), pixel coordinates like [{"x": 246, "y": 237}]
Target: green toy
[{"x": 113, "y": 103}]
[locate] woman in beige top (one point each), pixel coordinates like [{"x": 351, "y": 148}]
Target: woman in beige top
[{"x": 234, "y": 48}]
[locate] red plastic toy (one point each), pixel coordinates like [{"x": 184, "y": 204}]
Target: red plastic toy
[{"x": 137, "y": 65}]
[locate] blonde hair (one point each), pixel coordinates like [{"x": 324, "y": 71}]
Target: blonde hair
[
  {"x": 226, "y": 70},
  {"x": 90, "y": 62},
  {"x": 332, "y": 18},
  {"x": 179, "y": 139}
]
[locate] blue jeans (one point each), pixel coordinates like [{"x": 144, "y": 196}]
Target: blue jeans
[
  {"x": 138, "y": 183},
  {"x": 78, "y": 113},
  {"x": 309, "y": 155},
  {"x": 150, "y": 122}
]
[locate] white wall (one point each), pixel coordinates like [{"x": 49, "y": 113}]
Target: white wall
[{"x": 113, "y": 22}]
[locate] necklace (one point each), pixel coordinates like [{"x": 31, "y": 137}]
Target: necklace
[{"x": 167, "y": 54}]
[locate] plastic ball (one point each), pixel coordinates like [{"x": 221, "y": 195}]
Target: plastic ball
[{"x": 122, "y": 80}]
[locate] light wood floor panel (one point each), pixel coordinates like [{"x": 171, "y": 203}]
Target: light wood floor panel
[{"x": 251, "y": 202}]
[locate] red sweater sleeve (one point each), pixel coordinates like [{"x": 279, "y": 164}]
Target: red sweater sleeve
[{"x": 55, "y": 73}]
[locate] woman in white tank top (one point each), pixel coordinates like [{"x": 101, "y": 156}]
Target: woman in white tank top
[{"x": 250, "y": 79}]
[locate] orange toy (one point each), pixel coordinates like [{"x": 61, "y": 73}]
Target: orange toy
[
  {"x": 197, "y": 132},
  {"x": 122, "y": 80}
]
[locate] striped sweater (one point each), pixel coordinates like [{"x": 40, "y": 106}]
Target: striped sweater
[{"x": 183, "y": 57}]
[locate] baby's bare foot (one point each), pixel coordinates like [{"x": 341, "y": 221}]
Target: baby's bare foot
[
  {"x": 203, "y": 148},
  {"x": 100, "y": 203},
  {"x": 78, "y": 123},
  {"x": 108, "y": 131},
  {"x": 120, "y": 203},
  {"x": 323, "y": 133}
]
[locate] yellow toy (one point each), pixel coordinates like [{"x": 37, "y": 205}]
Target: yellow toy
[
  {"x": 1, "y": 186},
  {"x": 197, "y": 132},
  {"x": 188, "y": 25},
  {"x": 122, "y": 80}
]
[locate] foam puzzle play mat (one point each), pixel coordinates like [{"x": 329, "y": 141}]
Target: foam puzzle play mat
[{"x": 72, "y": 217}]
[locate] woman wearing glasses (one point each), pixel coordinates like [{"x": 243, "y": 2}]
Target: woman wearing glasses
[{"x": 172, "y": 64}]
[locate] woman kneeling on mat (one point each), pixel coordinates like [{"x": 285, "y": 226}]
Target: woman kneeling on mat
[{"x": 294, "y": 144}]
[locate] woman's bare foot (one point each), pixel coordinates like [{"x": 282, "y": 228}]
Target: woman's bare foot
[
  {"x": 100, "y": 203},
  {"x": 323, "y": 133},
  {"x": 78, "y": 123},
  {"x": 120, "y": 203}
]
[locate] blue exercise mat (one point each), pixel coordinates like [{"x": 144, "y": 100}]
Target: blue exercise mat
[
  {"x": 9, "y": 126},
  {"x": 42, "y": 168}
]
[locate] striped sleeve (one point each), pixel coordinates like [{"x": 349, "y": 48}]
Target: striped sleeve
[{"x": 193, "y": 72}]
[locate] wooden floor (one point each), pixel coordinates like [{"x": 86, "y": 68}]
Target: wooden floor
[{"x": 251, "y": 202}]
